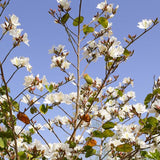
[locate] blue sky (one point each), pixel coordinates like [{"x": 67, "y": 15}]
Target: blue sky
[{"x": 43, "y": 33}]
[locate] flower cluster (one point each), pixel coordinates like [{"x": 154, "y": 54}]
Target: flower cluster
[
  {"x": 31, "y": 82},
  {"x": 21, "y": 62},
  {"x": 11, "y": 25},
  {"x": 59, "y": 59},
  {"x": 108, "y": 8}
]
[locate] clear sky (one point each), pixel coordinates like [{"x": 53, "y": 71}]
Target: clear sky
[{"x": 43, "y": 33}]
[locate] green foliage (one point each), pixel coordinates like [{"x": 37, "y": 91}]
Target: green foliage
[
  {"x": 126, "y": 53},
  {"x": 151, "y": 155},
  {"x": 3, "y": 90},
  {"x": 97, "y": 133},
  {"x": 15, "y": 106},
  {"x": 78, "y": 21},
  {"x": 150, "y": 96},
  {"x": 103, "y": 21},
  {"x": 49, "y": 88},
  {"x": 150, "y": 125},
  {"x": 33, "y": 110},
  {"x": 22, "y": 155},
  {"x": 2, "y": 145},
  {"x": 124, "y": 148},
  {"x": 108, "y": 125},
  {"x": 65, "y": 18},
  {"x": 104, "y": 134},
  {"x": 43, "y": 108},
  {"x": 87, "y": 29},
  {"x": 89, "y": 151},
  {"x": 108, "y": 133}
]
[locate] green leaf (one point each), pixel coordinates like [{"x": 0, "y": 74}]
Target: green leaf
[
  {"x": 50, "y": 88},
  {"x": 72, "y": 144},
  {"x": 156, "y": 91},
  {"x": 1, "y": 143},
  {"x": 143, "y": 153},
  {"x": 119, "y": 92},
  {"x": 108, "y": 133},
  {"x": 3, "y": 90},
  {"x": 90, "y": 152},
  {"x": 97, "y": 133},
  {"x": 126, "y": 53},
  {"x": 78, "y": 21},
  {"x": 15, "y": 106},
  {"x": 87, "y": 148},
  {"x": 65, "y": 18},
  {"x": 87, "y": 29},
  {"x": 33, "y": 110},
  {"x": 124, "y": 148},
  {"x": 148, "y": 99},
  {"x": 108, "y": 125},
  {"x": 103, "y": 21},
  {"x": 153, "y": 121},
  {"x": 43, "y": 109},
  {"x": 22, "y": 155}
]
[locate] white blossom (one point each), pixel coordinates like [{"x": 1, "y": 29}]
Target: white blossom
[
  {"x": 64, "y": 3},
  {"x": 144, "y": 24},
  {"x": 140, "y": 108},
  {"x": 102, "y": 5}
]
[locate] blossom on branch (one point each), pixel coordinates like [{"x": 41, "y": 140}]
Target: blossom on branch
[{"x": 144, "y": 24}]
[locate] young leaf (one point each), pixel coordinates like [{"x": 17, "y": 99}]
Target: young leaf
[
  {"x": 103, "y": 21},
  {"x": 90, "y": 152},
  {"x": 43, "y": 109},
  {"x": 1, "y": 143},
  {"x": 126, "y": 53},
  {"x": 156, "y": 91},
  {"x": 97, "y": 133},
  {"x": 33, "y": 110},
  {"x": 108, "y": 133},
  {"x": 22, "y": 155},
  {"x": 124, "y": 148},
  {"x": 148, "y": 99},
  {"x": 15, "y": 106},
  {"x": 65, "y": 18},
  {"x": 78, "y": 21},
  {"x": 108, "y": 125},
  {"x": 87, "y": 29}
]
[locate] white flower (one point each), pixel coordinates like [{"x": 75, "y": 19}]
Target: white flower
[
  {"x": 54, "y": 98},
  {"x": 131, "y": 94},
  {"x": 61, "y": 120},
  {"x": 116, "y": 51},
  {"x": 15, "y": 33},
  {"x": 102, "y": 5},
  {"x": 102, "y": 48},
  {"x": 126, "y": 80},
  {"x": 14, "y": 20},
  {"x": 27, "y": 99},
  {"x": 140, "y": 108},
  {"x": 28, "y": 80},
  {"x": 65, "y": 65},
  {"x": 104, "y": 114},
  {"x": 115, "y": 142},
  {"x": 144, "y": 24},
  {"x": 4, "y": 26},
  {"x": 25, "y": 39},
  {"x": 21, "y": 62},
  {"x": 64, "y": 3}
]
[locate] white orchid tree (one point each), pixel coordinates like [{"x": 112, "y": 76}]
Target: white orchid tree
[{"x": 100, "y": 123}]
